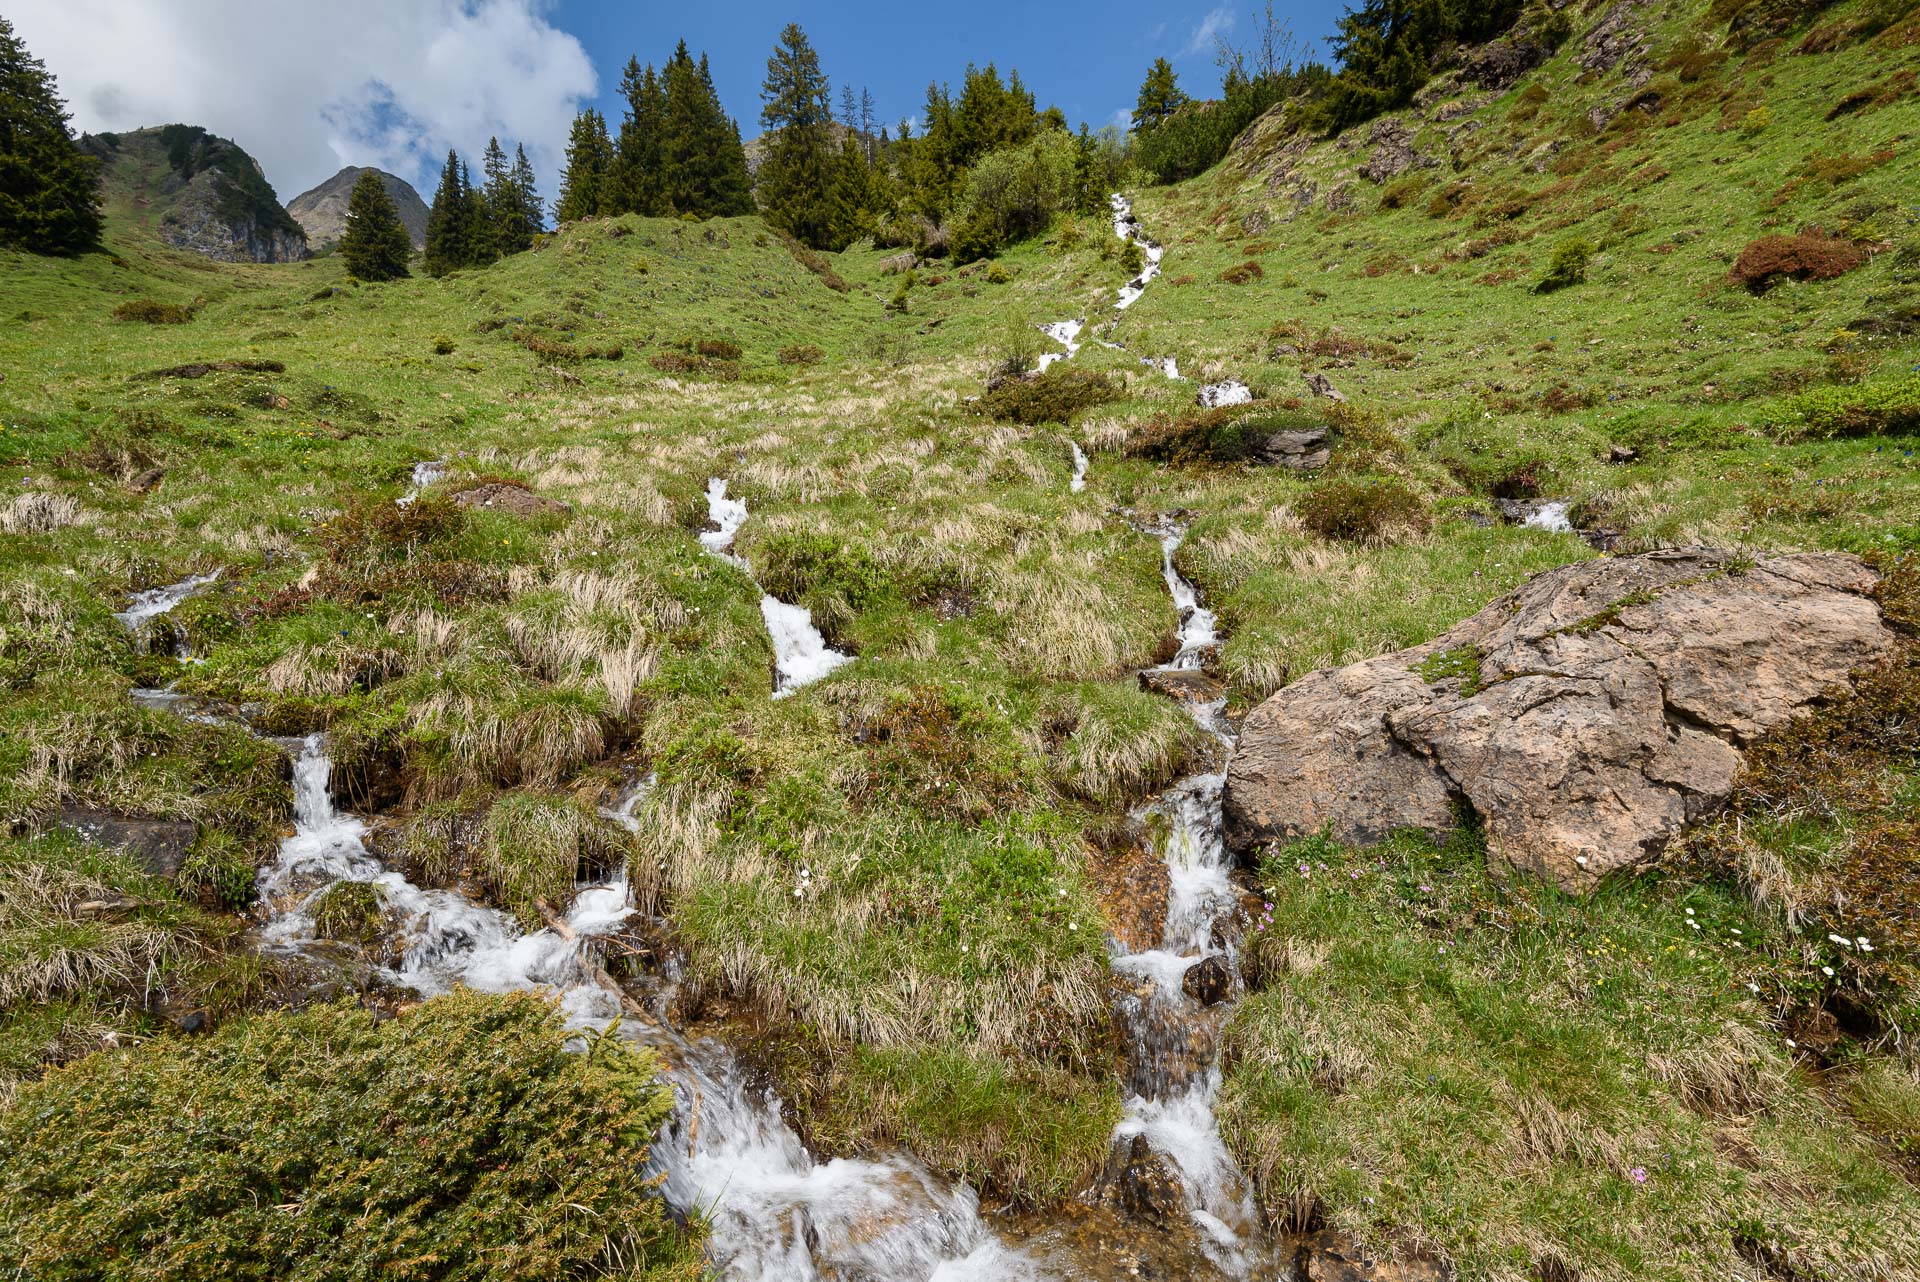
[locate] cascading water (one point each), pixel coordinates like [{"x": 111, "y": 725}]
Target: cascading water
[
  {"x": 1127, "y": 227},
  {"x": 425, "y": 473},
  {"x": 1067, "y": 332},
  {"x": 776, "y": 1214},
  {"x": 801, "y": 655},
  {"x": 1174, "y": 1076},
  {"x": 147, "y": 606}
]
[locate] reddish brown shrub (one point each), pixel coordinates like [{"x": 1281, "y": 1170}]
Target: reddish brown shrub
[
  {"x": 1244, "y": 274},
  {"x": 1808, "y": 256}
]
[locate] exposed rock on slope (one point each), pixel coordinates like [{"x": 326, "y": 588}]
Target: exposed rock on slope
[
  {"x": 323, "y": 211},
  {"x": 1585, "y": 718},
  {"x": 197, "y": 192}
]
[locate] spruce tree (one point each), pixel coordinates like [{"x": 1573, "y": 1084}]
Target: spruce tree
[
  {"x": 449, "y": 222},
  {"x": 1160, "y": 96},
  {"x": 530, "y": 216},
  {"x": 584, "y": 189},
  {"x": 49, "y": 199},
  {"x": 797, "y": 175},
  {"x": 638, "y": 179},
  {"x": 375, "y": 243},
  {"x": 479, "y": 222},
  {"x": 732, "y": 181},
  {"x": 499, "y": 201}
]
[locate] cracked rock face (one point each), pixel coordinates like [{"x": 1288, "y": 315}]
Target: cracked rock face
[{"x": 1585, "y": 718}]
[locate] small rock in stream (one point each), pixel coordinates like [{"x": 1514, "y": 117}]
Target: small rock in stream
[{"x": 1208, "y": 981}]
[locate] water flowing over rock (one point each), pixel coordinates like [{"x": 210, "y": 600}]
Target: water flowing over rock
[
  {"x": 801, "y": 655},
  {"x": 1585, "y": 718},
  {"x": 1171, "y": 996},
  {"x": 776, "y": 1214},
  {"x": 1227, "y": 392}
]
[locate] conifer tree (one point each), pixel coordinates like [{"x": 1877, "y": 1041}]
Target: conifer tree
[
  {"x": 375, "y": 243},
  {"x": 49, "y": 200},
  {"x": 797, "y": 176},
  {"x": 450, "y": 230},
  {"x": 732, "y": 182},
  {"x": 639, "y": 185},
  {"x": 530, "y": 216},
  {"x": 479, "y": 223},
  {"x": 585, "y": 187},
  {"x": 1160, "y": 96},
  {"x": 498, "y": 200}
]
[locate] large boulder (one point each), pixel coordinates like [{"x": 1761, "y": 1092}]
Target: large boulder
[{"x": 1585, "y": 718}]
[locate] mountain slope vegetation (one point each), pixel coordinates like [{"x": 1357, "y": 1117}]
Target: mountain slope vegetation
[{"x": 1667, "y": 275}]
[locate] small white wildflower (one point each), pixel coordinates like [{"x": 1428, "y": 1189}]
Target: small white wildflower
[
  {"x": 1827, "y": 971},
  {"x": 1689, "y": 912},
  {"x": 1791, "y": 1044},
  {"x": 1073, "y": 925},
  {"x": 1841, "y": 940},
  {"x": 1753, "y": 987},
  {"x": 1691, "y": 922},
  {"x": 1736, "y": 930}
]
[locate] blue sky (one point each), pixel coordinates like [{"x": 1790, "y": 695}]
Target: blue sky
[
  {"x": 1089, "y": 60},
  {"x": 395, "y": 83}
]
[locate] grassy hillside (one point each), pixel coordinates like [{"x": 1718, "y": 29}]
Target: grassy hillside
[{"x": 892, "y": 889}]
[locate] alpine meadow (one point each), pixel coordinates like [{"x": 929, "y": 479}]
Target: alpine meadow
[{"x": 1315, "y": 681}]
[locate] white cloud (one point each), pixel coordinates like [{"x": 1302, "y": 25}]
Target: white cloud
[
  {"x": 309, "y": 88},
  {"x": 1218, "y": 21}
]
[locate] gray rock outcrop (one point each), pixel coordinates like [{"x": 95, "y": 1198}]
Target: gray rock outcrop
[
  {"x": 196, "y": 192},
  {"x": 157, "y": 845},
  {"x": 323, "y": 210},
  {"x": 1585, "y": 718}
]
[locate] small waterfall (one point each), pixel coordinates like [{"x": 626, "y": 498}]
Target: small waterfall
[
  {"x": 1550, "y": 516},
  {"x": 801, "y": 655},
  {"x": 426, "y": 472},
  {"x": 1174, "y": 1074},
  {"x": 1227, "y": 392},
  {"x": 1078, "y": 482},
  {"x": 1067, "y": 334},
  {"x": 147, "y": 606},
  {"x": 777, "y": 1215},
  {"x": 1127, "y": 227}
]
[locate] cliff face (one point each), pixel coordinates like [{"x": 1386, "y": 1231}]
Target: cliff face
[
  {"x": 323, "y": 211},
  {"x": 196, "y": 192}
]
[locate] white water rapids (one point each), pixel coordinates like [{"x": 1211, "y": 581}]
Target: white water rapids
[
  {"x": 801, "y": 655},
  {"x": 1067, "y": 332},
  {"x": 1172, "y": 1089},
  {"x": 147, "y": 606},
  {"x": 776, "y": 1215}
]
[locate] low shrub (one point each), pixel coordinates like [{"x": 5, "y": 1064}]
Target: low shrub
[
  {"x": 146, "y": 311},
  {"x": 704, "y": 366},
  {"x": 998, "y": 275},
  {"x": 1053, "y": 396},
  {"x": 348, "y": 910},
  {"x": 461, "y": 1140},
  {"x": 374, "y": 529},
  {"x": 1244, "y": 274},
  {"x": 717, "y": 349},
  {"x": 1231, "y": 434},
  {"x": 1568, "y": 268},
  {"x": 1810, "y": 255},
  {"x": 802, "y": 354},
  {"x": 442, "y": 346},
  {"x": 1363, "y": 511},
  {"x": 1887, "y": 408}
]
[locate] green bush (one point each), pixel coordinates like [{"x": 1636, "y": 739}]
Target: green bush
[
  {"x": 1226, "y": 435},
  {"x": 1012, "y": 194},
  {"x": 349, "y": 910},
  {"x": 462, "y": 1140},
  {"x": 148, "y": 312},
  {"x": 1363, "y": 511},
  {"x": 1053, "y": 396},
  {"x": 1569, "y": 267},
  {"x": 1871, "y": 409}
]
